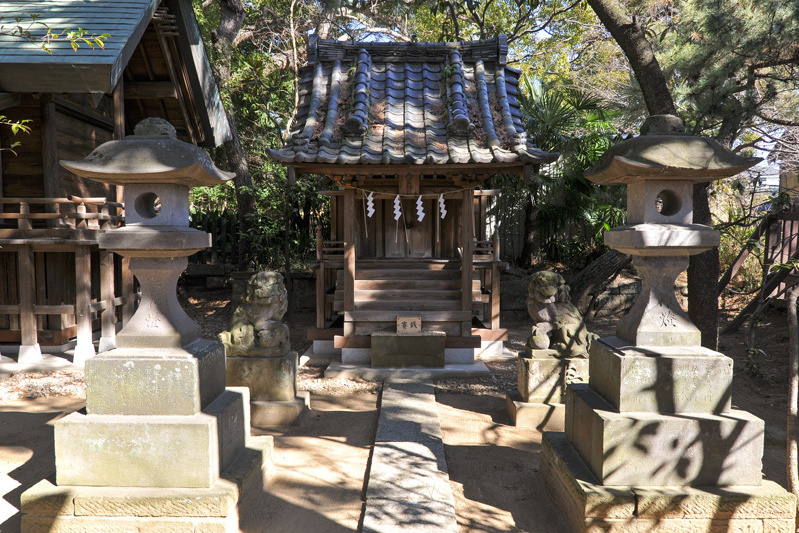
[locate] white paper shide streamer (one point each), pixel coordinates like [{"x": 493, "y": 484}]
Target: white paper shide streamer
[
  {"x": 442, "y": 206},
  {"x": 370, "y": 205},
  {"x": 419, "y": 209},
  {"x": 397, "y": 208}
]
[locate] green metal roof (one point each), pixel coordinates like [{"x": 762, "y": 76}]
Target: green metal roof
[{"x": 25, "y": 67}]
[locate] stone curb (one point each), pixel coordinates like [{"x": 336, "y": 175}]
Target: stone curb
[{"x": 408, "y": 487}]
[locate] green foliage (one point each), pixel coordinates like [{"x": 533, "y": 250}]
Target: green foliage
[
  {"x": 572, "y": 213},
  {"x": 737, "y": 209},
  {"x": 17, "y": 126},
  {"x": 32, "y": 29}
]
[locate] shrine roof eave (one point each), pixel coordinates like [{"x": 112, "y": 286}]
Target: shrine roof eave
[{"x": 332, "y": 169}]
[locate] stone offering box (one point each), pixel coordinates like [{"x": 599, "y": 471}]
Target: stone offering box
[{"x": 392, "y": 350}]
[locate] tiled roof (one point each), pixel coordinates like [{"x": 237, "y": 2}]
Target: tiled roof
[{"x": 409, "y": 103}]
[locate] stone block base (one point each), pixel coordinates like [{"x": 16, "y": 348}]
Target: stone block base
[
  {"x": 543, "y": 376},
  {"x": 266, "y": 415},
  {"x": 152, "y": 451},
  {"x": 654, "y": 449},
  {"x": 168, "y": 381},
  {"x": 541, "y": 416},
  {"x": 48, "y": 508},
  {"x": 663, "y": 379},
  {"x": 268, "y": 378},
  {"x": 589, "y": 507}
]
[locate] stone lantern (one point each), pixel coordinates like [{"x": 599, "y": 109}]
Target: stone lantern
[
  {"x": 160, "y": 428},
  {"x": 660, "y": 168},
  {"x": 653, "y": 435},
  {"x": 157, "y": 170}
]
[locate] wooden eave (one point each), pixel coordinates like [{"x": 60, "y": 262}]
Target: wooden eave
[
  {"x": 190, "y": 86},
  {"x": 84, "y": 70},
  {"x": 480, "y": 171}
]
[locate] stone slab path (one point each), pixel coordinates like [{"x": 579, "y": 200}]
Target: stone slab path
[{"x": 408, "y": 488}]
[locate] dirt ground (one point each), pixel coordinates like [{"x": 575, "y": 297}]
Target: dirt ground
[{"x": 317, "y": 483}]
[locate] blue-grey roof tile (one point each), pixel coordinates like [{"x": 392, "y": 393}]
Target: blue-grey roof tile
[{"x": 409, "y": 103}]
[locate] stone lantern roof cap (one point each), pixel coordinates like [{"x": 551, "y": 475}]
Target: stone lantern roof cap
[
  {"x": 153, "y": 154},
  {"x": 664, "y": 152}
]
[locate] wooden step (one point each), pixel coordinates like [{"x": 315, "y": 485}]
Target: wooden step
[
  {"x": 441, "y": 264},
  {"x": 374, "y": 290},
  {"x": 406, "y": 307},
  {"x": 411, "y": 274},
  {"x": 400, "y": 294},
  {"x": 405, "y": 285},
  {"x": 391, "y": 316},
  {"x": 452, "y": 329}
]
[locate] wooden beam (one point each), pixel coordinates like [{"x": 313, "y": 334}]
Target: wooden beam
[
  {"x": 9, "y": 100},
  {"x": 150, "y": 90},
  {"x": 349, "y": 250},
  {"x": 188, "y": 118},
  {"x": 482, "y": 171},
  {"x": 316, "y": 334},
  {"x": 491, "y": 334},
  {"x": 119, "y": 127},
  {"x": 82, "y": 112}
]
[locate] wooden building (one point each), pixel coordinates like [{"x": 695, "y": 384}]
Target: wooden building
[
  {"x": 55, "y": 284},
  {"x": 409, "y": 133}
]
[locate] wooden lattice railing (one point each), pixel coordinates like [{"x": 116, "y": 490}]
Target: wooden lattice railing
[{"x": 73, "y": 212}]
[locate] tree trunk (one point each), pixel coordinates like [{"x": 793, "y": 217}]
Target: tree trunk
[
  {"x": 792, "y": 469},
  {"x": 703, "y": 272},
  {"x": 231, "y": 20},
  {"x": 703, "y": 278},
  {"x": 593, "y": 277},
  {"x": 245, "y": 199},
  {"x": 633, "y": 42}
]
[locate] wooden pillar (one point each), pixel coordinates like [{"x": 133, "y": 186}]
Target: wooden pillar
[
  {"x": 467, "y": 262},
  {"x": 108, "y": 314},
  {"x": 129, "y": 297},
  {"x": 84, "y": 349},
  {"x": 349, "y": 250},
  {"x": 349, "y": 256},
  {"x": 495, "y": 289},
  {"x": 29, "y": 349},
  {"x": 49, "y": 149},
  {"x": 320, "y": 278}
]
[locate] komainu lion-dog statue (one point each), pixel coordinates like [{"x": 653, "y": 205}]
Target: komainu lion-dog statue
[{"x": 557, "y": 324}]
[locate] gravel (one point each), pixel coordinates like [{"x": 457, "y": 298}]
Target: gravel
[{"x": 30, "y": 385}]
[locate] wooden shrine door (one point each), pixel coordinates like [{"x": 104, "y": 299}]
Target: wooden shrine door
[{"x": 408, "y": 237}]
